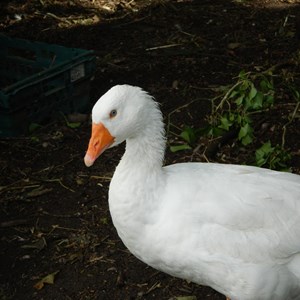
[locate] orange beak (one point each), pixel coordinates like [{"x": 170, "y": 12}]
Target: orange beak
[{"x": 101, "y": 139}]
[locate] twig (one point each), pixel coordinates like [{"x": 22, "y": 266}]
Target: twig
[
  {"x": 61, "y": 183},
  {"x": 43, "y": 170},
  {"x": 107, "y": 178},
  {"x": 10, "y": 187},
  {"x": 59, "y": 216},
  {"x": 195, "y": 150},
  {"x": 227, "y": 95},
  {"x": 153, "y": 287},
  {"x": 38, "y": 192},
  {"x": 63, "y": 228},
  {"x": 127, "y": 23},
  {"x": 205, "y": 157},
  {"x": 163, "y": 47},
  {"x": 68, "y": 161},
  {"x": 58, "y": 18}
]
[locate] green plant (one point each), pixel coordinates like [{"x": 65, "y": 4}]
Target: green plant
[
  {"x": 253, "y": 92},
  {"x": 272, "y": 157},
  {"x": 232, "y": 113},
  {"x": 189, "y": 136}
]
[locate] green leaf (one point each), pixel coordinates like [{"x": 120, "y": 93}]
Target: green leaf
[
  {"x": 269, "y": 100},
  {"x": 295, "y": 93},
  {"x": 262, "y": 154},
  {"x": 189, "y": 134},
  {"x": 267, "y": 147},
  {"x": 73, "y": 124},
  {"x": 215, "y": 131},
  {"x": 185, "y": 135},
  {"x": 242, "y": 75},
  {"x": 245, "y": 130},
  {"x": 247, "y": 140},
  {"x": 247, "y": 119},
  {"x": 225, "y": 123},
  {"x": 248, "y": 103},
  {"x": 34, "y": 139},
  {"x": 104, "y": 221},
  {"x": 258, "y": 100},
  {"x": 253, "y": 92},
  {"x": 175, "y": 148},
  {"x": 232, "y": 117},
  {"x": 264, "y": 86},
  {"x": 245, "y": 134},
  {"x": 260, "y": 161},
  {"x": 239, "y": 119},
  {"x": 270, "y": 85},
  {"x": 240, "y": 99},
  {"x": 233, "y": 94}
]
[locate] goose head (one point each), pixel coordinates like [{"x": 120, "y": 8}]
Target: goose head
[{"x": 121, "y": 113}]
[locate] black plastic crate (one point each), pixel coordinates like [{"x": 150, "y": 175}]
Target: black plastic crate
[{"x": 38, "y": 80}]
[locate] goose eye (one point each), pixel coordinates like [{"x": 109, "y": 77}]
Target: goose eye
[{"x": 113, "y": 113}]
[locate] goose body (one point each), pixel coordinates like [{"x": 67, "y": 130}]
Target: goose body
[{"x": 233, "y": 228}]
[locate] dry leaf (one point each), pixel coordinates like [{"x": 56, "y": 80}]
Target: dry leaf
[
  {"x": 233, "y": 46},
  {"x": 47, "y": 279}
]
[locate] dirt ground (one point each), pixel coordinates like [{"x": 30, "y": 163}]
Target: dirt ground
[{"x": 55, "y": 222}]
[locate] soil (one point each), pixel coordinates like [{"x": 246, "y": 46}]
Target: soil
[{"x": 55, "y": 223}]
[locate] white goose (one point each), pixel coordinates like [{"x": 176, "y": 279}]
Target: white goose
[{"x": 233, "y": 228}]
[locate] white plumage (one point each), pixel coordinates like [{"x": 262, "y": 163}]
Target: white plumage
[{"x": 234, "y": 228}]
